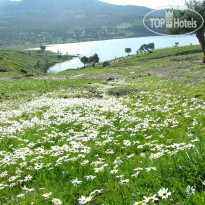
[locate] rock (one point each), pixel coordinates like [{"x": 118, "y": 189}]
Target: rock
[
  {"x": 110, "y": 79},
  {"x": 29, "y": 75},
  {"x": 23, "y": 71},
  {"x": 4, "y": 70},
  {"x": 122, "y": 82}
]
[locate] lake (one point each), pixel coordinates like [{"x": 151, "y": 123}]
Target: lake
[{"x": 111, "y": 49}]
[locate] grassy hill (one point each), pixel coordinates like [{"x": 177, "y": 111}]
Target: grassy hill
[
  {"x": 130, "y": 133},
  {"x": 17, "y": 63},
  {"x": 184, "y": 62}
]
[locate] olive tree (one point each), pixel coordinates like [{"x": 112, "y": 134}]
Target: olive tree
[
  {"x": 84, "y": 60},
  {"x": 94, "y": 59},
  {"x": 146, "y": 47},
  {"x": 151, "y": 47},
  {"x": 43, "y": 48},
  {"x": 128, "y": 50},
  {"x": 198, "y": 6}
]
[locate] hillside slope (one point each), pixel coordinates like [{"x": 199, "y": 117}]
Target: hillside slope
[
  {"x": 62, "y": 21},
  {"x": 16, "y": 63}
]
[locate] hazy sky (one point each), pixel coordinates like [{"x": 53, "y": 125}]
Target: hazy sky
[{"x": 147, "y": 3}]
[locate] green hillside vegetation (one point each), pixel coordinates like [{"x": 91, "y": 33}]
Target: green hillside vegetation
[
  {"x": 169, "y": 62},
  {"x": 17, "y": 63},
  {"x": 30, "y": 22},
  {"x": 130, "y": 133},
  {"x": 31, "y": 38}
]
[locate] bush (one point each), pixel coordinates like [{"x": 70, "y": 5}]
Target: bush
[{"x": 106, "y": 63}]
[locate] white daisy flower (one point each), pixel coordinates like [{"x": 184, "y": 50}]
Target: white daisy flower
[
  {"x": 127, "y": 143},
  {"x": 20, "y": 195},
  {"x": 124, "y": 181},
  {"x": 139, "y": 203},
  {"x": 47, "y": 195},
  {"x": 118, "y": 161},
  {"x": 89, "y": 177},
  {"x": 190, "y": 190},
  {"x": 84, "y": 200},
  {"x": 150, "y": 199},
  {"x": 75, "y": 182},
  {"x": 114, "y": 171},
  {"x": 56, "y": 201},
  {"x": 164, "y": 193},
  {"x": 150, "y": 169}
]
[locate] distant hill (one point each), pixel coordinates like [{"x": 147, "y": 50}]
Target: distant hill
[
  {"x": 68, "y": 20},
  {"x": 47, "y": 7}
]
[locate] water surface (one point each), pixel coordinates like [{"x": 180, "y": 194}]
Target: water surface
[{"x": 111, "y": 49}]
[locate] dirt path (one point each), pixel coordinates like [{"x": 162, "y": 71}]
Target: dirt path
[
  {"x": 5, "y": 79},
  {"x": 81, "y": 76}
]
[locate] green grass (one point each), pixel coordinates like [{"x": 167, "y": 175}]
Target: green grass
[
  {"x": 78, "y": 123},
  {"x": 124, "y": 26},
  {"x": 12, "y": 62},
  {"x": 181, "y": 62}
]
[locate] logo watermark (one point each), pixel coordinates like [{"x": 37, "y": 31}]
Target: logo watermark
[{"x": 160, "y": 20}]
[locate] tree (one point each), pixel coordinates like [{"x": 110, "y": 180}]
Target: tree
[
  {"x": 198, "y": 6},
  {"x": 59, "y": 54},
  {"x": 128, "y": 50},
  {"x": 84, "y": 60},
  {"x": 95, "y": 59},
  {"x": 92, "y": 60},
  {"x": 106, "y": 63},
  {"x": 146, "y": 47},
  {"x": 142, "y": 48},
  {"x": 176, "y": 44},
  {"x": 150, "y": 47},
  {"x": 43, "y": 48}
]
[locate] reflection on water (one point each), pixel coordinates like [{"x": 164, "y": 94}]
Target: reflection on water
[{"x": 110, "y": 49}]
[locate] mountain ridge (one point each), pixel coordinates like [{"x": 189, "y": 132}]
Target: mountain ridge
[
  {"x": 82, "y": 5},
  {"x": 77, "y": 20}
]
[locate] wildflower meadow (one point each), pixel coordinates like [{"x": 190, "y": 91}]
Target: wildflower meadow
[{"x": 137, "y": 143}]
